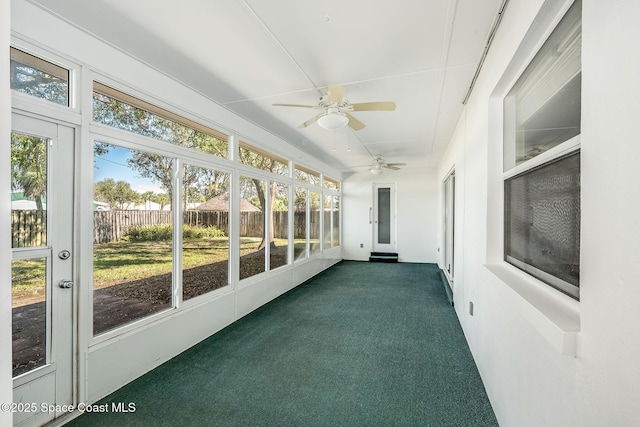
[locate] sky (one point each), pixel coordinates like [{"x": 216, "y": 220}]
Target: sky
[{"x": 114, "y": 165}]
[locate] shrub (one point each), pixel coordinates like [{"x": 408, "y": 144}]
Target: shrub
[
  {"x": 190, "y": 232},
  {"x": 151, "y": 233},
  {"x": 156, "y": 233}
]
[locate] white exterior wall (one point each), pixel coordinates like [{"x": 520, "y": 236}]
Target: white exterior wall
[
  {"x": 6, "y": 390},
  {"x": 416, "y": 213},
  {"x": 545, "y": 359}
]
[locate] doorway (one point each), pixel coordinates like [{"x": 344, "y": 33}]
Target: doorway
[
  {"x": 42, "y": 154},
  {"x": 384, "y": 218},
  {"x": 449, "y": 221}
]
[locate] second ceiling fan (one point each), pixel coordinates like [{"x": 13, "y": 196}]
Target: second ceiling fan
[{"x": 337, "y": 109}]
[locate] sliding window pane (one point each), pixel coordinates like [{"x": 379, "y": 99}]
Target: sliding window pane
[
  {"x": 252, "y": 231},
  {"x": 133, "y": 250},
  {"x": 279, "y": 225},
  {"x": 205, "y": 231}
]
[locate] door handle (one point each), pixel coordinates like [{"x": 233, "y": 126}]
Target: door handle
[{"x": 65, "y": 284}]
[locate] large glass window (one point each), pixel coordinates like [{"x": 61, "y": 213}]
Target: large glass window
[
  {"x": 542, "y": 197},
  {"x": 331, "y": 221},
  {"x": 253, "y": 238},
  {"x": 315, "y": 205},
  {"x": 326, "y": 221},
  {"x": 205, "y": 231},
  {"x": 260, "y": 159},
  {"x": 306, "y": 175},
  {"x": 279, "y": 225},
  {"x": 39, "y": 78},
  {"x": 133, "y": 251},
  {"x": 336, "y": 221},
  {"x": 300, "y": 223},
  {"x": 122, "y": 111},
  {"x": 331, "y": 184}
]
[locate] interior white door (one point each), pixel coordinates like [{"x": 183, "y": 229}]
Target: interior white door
[
  {"x": 42, "y": 269},
  {"x": 384, "y": 218}
]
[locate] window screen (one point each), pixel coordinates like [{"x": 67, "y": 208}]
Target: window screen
[{"x": 542, "y": 223}]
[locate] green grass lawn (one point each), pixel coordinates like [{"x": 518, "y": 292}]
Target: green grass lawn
[{"x": 119, "y": 262}]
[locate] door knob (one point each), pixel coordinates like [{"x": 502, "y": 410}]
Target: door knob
[{"x": 65, "y": 284}]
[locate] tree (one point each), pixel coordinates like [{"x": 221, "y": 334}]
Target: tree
[
  {"x": 260, "y": 161},
  {"x": 119, "y": 195},
  {"x": 158, "y": 168},
  {"x": 161, "y": 199},
  {"x": 38, "y": 83},
  {"x": 146, "y": 197},
  {"x": 202, "y": 184},
  {"x": 29, "y": 167}
]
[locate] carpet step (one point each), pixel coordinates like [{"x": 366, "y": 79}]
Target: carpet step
[{"x": 383, "y": 257}]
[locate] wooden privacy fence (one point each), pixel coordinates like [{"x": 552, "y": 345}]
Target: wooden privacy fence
[
  {"x": 111, "y": 226},
  {"x": 28, "y": 227}
]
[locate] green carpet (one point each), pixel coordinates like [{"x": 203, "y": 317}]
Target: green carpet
[{"x": 361, "y": 344}]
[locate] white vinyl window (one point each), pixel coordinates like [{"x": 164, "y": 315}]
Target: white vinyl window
[
  {"x": 39, "y": 78},
  {"x": 542, "y": 124}
]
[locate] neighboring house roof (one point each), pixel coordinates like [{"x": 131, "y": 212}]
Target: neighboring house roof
[
  {"x": 221, "y": 203},
  {"x": 19, "y": 202},
  {"x": 26, "y": 205}
]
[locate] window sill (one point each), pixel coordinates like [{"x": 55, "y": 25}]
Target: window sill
[{"x": 555, "y": 316}]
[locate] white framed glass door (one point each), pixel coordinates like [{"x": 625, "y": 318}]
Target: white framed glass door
[
  {"x": 42, "y": 268},
  {"x": 384, "y": 218},
  {"x": 449, "y": 221}
]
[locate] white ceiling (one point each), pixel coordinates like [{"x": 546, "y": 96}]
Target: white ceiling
[{"x": 249, "y": 54}]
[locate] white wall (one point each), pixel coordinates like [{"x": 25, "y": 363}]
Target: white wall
[
  {"x": 520, "y": 334},
  {"x": 416, "y": 212},
  {"x": 6, "y": 392}
]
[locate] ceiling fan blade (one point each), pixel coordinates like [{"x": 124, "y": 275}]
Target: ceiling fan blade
[
  {"x": 335, "y": 93},
  {"x": 354, "y": 123},
  {"x": 374, "y": 106},
  {"x": 393, "y": 168},
  {"x": 295, "y": 105},
  {"x": 396, "y": 164},
  {"x": 311, "y": 121}
]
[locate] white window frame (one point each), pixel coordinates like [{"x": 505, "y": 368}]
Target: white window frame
[
  {"x": 570, "y": 146},
  {"x": 555, "y": 315}
]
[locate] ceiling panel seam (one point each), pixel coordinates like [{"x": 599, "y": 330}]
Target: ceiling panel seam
[{"x": 280, "y": 45}]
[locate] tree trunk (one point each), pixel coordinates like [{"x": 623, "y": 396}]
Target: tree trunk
[{"x": 261, "y": 197}]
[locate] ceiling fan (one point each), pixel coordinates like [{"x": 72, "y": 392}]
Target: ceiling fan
[
  {"x": 337, "y": 108},
  {"x": 378, "y": 166}
]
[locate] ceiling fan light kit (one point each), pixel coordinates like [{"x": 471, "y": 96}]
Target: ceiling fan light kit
[
  {"x": 337, "y": 109},
  {"x": 378, "y": 166},
  {"x": 333, "y": 120}
]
